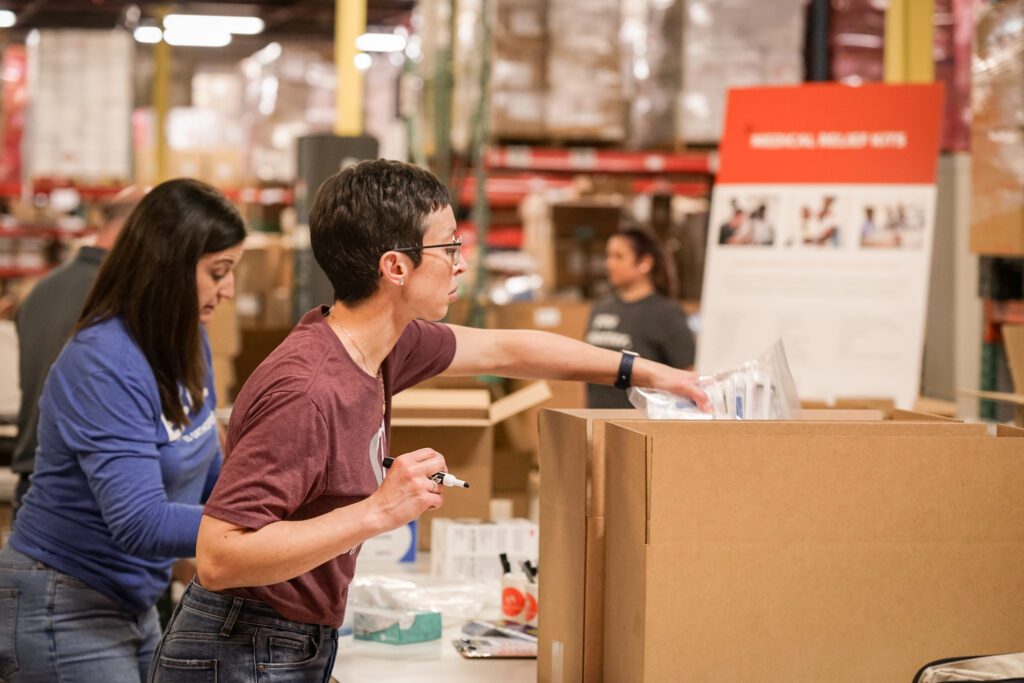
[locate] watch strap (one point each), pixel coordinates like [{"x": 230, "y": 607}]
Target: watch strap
[{"x": 624, "y": 378}]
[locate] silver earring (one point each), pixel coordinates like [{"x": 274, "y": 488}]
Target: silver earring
[{"x": 401, "y": 283}]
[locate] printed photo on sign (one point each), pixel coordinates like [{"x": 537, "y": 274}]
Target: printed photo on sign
[
  {"x": 750, "y": 221},
  {"x": 817, "y": 221},
  {"x": 892, "y": 224}
]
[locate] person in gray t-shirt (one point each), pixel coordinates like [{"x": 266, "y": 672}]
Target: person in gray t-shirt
[
  {"x": 44, "y": 321},
  {"x": 642, "y": 314}
]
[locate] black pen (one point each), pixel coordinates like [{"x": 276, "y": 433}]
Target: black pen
[{"x": 442, "y": 478}]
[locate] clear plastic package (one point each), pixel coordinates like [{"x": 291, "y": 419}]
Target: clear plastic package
[
  {"x": 457, "y": 601},
  {"x": 762, "y": 389}
]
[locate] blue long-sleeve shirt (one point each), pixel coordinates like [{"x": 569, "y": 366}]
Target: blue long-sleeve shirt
[{"x": 117, "y": 490}]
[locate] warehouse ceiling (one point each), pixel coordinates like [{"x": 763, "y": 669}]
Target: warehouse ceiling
[{"x": 285, "y": 19}]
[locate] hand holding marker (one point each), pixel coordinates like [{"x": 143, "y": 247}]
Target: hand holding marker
[{"x": 441, "y": 478}]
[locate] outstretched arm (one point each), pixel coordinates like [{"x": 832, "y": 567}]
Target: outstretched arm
[{"x": 529, "y": 354}]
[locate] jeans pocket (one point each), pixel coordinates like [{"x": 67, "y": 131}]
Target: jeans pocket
[
  {"x": 8, "y": 617},
  {"x": 170, "y": 670},
  {"x": 277, "y": 647}
]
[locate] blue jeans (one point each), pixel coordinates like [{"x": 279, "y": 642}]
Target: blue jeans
[
  {"x": 220, "y": 638},
  {"x": 53, "y": 627}
]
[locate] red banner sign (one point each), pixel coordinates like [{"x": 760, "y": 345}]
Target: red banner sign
[{"x": 830, "y": 133}]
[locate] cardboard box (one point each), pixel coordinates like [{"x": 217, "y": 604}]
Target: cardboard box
[
  {"x": 568, "y": 318},
  {"x": 263, "y": 282},
  {"x": 850, "y": 551},
  {"x": 459, "y": 424},
  {"x": 572, "y": 521},
  {"x": 771, "y": 543},
  {"x": 222, "y": 330}
]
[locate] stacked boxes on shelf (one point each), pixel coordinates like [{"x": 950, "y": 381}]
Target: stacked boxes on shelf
[
  {"x": 517, "y": 62},
  {"x": 518, "y": 69},
  {"x": 80, "y": 88},
  {"x": 651, "y": 32},
  {"x": 732, "y": 43},
  {"x": 997, "y": 161},
  {"x": 585, "y": 88}
]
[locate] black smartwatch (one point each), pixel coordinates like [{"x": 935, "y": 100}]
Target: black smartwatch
[{"x": 625, "y": 375}]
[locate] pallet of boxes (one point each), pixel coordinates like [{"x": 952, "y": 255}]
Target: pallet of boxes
[{"x": 837, "y": 547}]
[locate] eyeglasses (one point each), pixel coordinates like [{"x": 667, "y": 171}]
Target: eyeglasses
[{"x": 452, "y": 249}]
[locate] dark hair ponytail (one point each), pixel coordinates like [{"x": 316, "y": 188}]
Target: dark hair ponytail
[
  {"x": 149, "y": 280},
  {"x": 663, "y": 272}
]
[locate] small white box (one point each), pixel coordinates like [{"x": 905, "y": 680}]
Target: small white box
[
  {"x": 394, "y": 547},
  {"x": 470, "y": 549}
]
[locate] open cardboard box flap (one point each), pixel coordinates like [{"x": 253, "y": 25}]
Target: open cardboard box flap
[{"x": 462, "y": 407}]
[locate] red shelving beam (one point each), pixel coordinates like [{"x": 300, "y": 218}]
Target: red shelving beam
[
  {"x": 593, "y": 160},
  {"x": 31, "y": 231},
  {"x": 7, "y": 273}
]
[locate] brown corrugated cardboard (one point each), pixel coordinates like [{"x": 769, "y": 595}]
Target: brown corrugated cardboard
[
  {"x": 848, "y": 552},
  {"x": 223, "y": 330},
  {"x": 572, "y": 543},
  {"x": 459, "y": 424},
  {"x": 263, "y": 282},
  {"x": 225, "y": 343},
  {"x": 224, "y": 379},
  {"x": 568, "y": 318},
  {"x": 573, "y": 516}
]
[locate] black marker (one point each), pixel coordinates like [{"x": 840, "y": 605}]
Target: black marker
[
  {"x": 505, "y": 566},
  {"x": 442, "y": 478}
]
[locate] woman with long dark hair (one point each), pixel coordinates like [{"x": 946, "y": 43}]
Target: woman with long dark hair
[
  {"x": 641, "y": 315},
  {"x": 128, "y": 449}
]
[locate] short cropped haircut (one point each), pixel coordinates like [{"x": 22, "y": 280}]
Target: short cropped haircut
[{"x": 364, "y": 211}]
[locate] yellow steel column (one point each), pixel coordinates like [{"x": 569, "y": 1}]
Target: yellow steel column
[
  {"x": 161, "y": 101},
  {"x": 895, "y": 57},
  {"x": 909, "y": 41},
  {"x": 349, "y": 23},
  {"x": 921, "y": 41}
]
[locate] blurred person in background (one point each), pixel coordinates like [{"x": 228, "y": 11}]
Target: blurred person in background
[
  {"x": 642, "y": 314},
  {"x": 44, "y": 321},
  {"x": 128, "y": 449}
]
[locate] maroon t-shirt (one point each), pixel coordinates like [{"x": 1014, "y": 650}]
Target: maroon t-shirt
[{"x": 307, "y": 436}]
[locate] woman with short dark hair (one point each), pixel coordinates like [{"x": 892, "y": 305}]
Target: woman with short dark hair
[{"x": 128, "y": 449}]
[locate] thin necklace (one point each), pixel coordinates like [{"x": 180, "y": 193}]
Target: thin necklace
[{"x": 362, "y": 358}]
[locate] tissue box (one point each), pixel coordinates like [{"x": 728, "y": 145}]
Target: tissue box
[{"x": 397, "y": 627}]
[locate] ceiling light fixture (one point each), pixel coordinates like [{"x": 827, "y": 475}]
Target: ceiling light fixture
[
  {"x": 208, "y": 37},
  {"x": 7, "y": 18},
  {"x": 363, "y": 61},
  {"x": 380, "y": 42},
  {"x": 148, "y": 34},
  {"x": 243, "y": 26}
]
